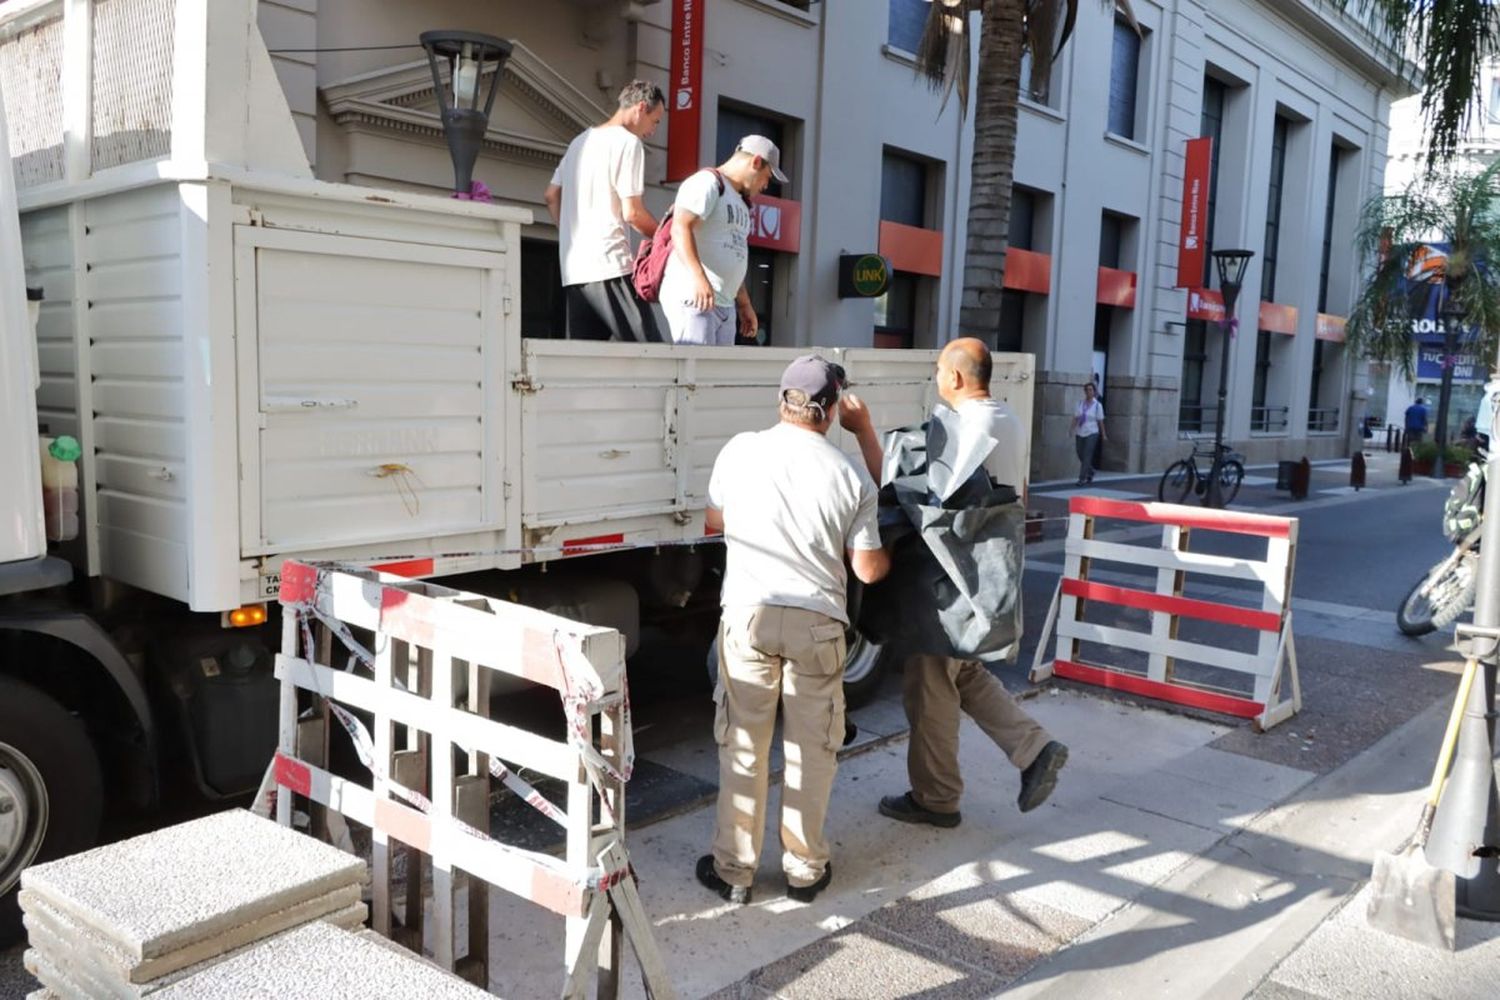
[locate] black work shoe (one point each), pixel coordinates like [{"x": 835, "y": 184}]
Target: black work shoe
[
  {"x": 1038, "y": 780},
  {"x": 706, "y": 873},
  {"x": 808, "y": 893},
  {"x": 907, "y": 810}
]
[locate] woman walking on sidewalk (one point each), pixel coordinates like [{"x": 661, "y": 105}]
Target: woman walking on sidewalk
[{"x": 1088, "y": 431}]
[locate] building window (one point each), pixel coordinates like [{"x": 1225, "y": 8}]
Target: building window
[
  {"x": 1262, "y": 375},
  {"x": 736, "y": 122},
  {"x": 1334, "y": 155},
  {"x": 896, "y": 312},
  {"x": 1034, "y": 86},
  {"x": 1124, "y": 74},
  {"x": 1012, "y": 333},
  {"x": 1211, "y": 125},
  {"x": 1022, "y": 217},
  {"x": 543, "y": 314},
  {"x": 908, "y": 21},
  {"x": 1494, "y": 109},
  {"x": 1317, "y": 385},
  {"x": 760, "y": 284},
  {"x": 903, "y": 189},
  {"x": 1273, "y": 210},
  {"x": 1111, "y": 233},
  {"x": 1194, "y": 357}
]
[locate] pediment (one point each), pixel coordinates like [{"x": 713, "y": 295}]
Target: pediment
[{"x": 537, "y": 111}]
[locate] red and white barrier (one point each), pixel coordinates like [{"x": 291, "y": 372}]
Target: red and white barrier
[
  {"x": 405, "y": 648},
  {"x": 1271, "y": 692}
]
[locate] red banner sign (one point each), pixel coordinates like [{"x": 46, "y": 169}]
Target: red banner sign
[
  {"x": 1278, "y": 318},
  {"x": 685, "y": 95},
  {"x": 776, "y": 224},
  {"x": 1205, "y": 304},
  {"x": 1330, "y": 328},
  {"x": 1192, "y": 244}
]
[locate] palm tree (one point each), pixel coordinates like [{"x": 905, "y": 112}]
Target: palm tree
[
  {"x": 1456, "y": 207},
  {"x": 1007, "y": 29}
]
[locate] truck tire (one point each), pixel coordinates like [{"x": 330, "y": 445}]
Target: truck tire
[
  {"x": 50, "y": 790},
  {"x": 864, "y": 669}
]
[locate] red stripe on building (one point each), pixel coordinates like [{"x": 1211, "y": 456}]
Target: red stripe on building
[
  {"x": 1186, "y": 607},
  {"x": 1028, "y": 271},
  {"x": 1158, "y": 513},
  {"x": 1134, "y": 684},
  {"x": 1115, "y": 288},
  {"x": 1278, "y": 318},
  {"x": 912, "y": 248},
  {"x": 409, "y": 568}
]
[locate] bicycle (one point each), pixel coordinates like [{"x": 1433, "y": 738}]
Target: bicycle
[{"x": 1183, "y": 477}]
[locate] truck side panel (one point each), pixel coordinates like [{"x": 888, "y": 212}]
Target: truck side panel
[{"x": 133, "y": 278}]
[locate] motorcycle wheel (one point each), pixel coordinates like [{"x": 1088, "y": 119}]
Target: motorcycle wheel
[{"x": 1441, "y": 596}]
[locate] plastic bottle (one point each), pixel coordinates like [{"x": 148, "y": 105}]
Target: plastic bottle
[{"x": 60, "y": 486}]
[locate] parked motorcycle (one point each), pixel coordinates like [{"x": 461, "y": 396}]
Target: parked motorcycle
[{"x": 1447, "y": 590}]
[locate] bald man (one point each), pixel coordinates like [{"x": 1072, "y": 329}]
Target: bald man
[{"x": 936, "y": 688}]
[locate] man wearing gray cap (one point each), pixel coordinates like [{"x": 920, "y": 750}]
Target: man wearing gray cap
[
  {"x": 792, "y": 508},
  {"x": 703, "y": 289}
]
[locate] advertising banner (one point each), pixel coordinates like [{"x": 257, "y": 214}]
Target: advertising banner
[
  {"x": 685, "y": 95},
  {"x": 1192, "y": 245}
]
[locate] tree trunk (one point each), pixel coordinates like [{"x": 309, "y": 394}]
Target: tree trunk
[{"x": 997, "y": 90}]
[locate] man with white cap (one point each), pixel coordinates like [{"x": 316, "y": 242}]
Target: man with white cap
[
  {"x": 793, "y": 508},
  {"x": 703, "y": 289}
]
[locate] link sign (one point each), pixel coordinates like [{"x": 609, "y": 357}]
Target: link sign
[{"x": 863, "y": 275}]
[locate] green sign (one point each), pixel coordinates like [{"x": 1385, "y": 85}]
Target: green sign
[{"x": 863, "y": 275}]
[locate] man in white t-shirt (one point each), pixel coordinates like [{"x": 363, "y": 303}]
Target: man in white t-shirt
[
  {"x": 595, "y": 193},
  {"x": 703, "y": 290},
  {"x": 792, "y": 508},
  {"x": 937, "y": 688}
]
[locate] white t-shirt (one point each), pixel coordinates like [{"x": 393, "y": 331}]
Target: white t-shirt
[
  {"x": 722, "y": 238},
  {"x": 1007, "y": 460},
  {"x": 1086, "y": 417},
  {"x": 792, "y": 504},
  {"x": 602, "y": 167}
]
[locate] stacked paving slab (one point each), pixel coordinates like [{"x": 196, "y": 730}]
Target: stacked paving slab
[{"x": 136, "y": 917}]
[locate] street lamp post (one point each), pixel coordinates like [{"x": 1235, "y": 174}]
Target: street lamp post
[
  {"x": 1452, "y": 312},
  {"x": 1231, "y": 266},
  {"x": 467, "y": 55}
]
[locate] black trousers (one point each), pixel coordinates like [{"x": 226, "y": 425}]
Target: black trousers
[{"x": 609, "y": 310}]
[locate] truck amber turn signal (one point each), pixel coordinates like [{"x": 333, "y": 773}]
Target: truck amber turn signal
[{"x": 246, "y": 617}]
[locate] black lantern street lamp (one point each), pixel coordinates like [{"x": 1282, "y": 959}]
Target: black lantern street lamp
[
  {"x": 468, "y": 56},
  {"x": 1231, "y": 265}
]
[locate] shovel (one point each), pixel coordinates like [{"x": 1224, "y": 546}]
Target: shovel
[{"x": 1409, "y": 897}]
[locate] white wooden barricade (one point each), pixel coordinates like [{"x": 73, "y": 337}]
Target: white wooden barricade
[
  {"x": 1268, "y": 669},
  {"x": 424, "y": 638}
]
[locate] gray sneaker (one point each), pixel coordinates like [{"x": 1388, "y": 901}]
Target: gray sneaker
[{"x": 1038, "y": 780}]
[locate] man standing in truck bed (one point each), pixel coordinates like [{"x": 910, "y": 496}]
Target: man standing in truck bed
[
  {"x": 792, "y": 508},
  {"x": 595, "y": 191}
]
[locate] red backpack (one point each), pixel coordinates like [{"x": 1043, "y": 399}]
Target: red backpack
[{"x": 652, "y": 255}]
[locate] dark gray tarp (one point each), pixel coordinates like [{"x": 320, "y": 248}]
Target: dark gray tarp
[{"x": 955, "y": 582}]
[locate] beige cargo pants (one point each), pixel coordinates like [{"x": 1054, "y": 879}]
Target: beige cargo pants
[
  {"x": 770, "y": 655},
  {"x": 935, "y": 689}
]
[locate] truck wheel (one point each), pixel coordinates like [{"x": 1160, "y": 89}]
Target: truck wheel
[
  {"x": 51, "y": 792},
  {"x": 864, "y": 669}
]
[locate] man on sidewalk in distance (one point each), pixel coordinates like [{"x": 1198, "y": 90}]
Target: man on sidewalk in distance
[
  {"x": 703, "y": 289},
  {"x": 1416, "y": 422},
  {"x": 595, "y": 192},
  {"x": 937, "y": 688},
  {"x": 792, "y": 508}
]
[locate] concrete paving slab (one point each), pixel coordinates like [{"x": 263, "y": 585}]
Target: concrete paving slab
[
  {"x": 341, "y": 907},
  {"x": 317, "y": 962},
  {"x": 1218, "y": 926},
  {"x": 867, "y": 962},
  {"x": 1337, "y": 962},
  {"x": 1001, "y": 934},
  {"x": 104, "y": 965},
  {"x": 158, "y": 893}
]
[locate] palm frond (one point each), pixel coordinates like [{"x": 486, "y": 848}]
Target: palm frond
[
  {"x": 1449, "y": 41},
  {"x": 1460, "y": 208}
]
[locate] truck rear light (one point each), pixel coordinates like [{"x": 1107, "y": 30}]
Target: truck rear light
[{"x": 246, "y": 617}]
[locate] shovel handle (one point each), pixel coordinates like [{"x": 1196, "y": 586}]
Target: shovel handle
[{"x": 1450, "y": 736}]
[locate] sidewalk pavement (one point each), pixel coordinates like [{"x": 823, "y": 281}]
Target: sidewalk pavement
[{"x": 1163, "y": 866}]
